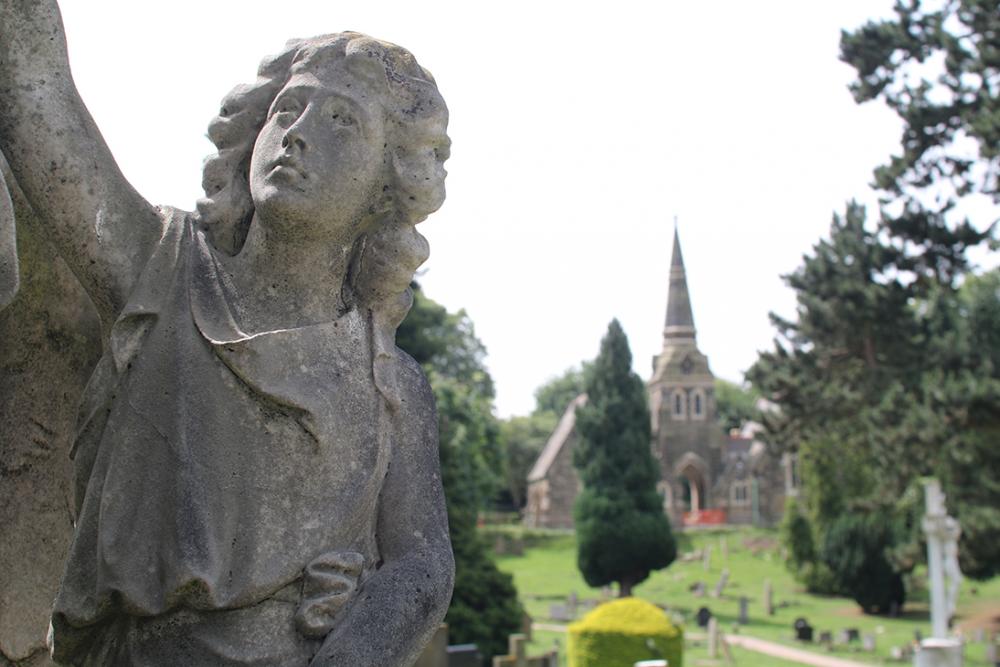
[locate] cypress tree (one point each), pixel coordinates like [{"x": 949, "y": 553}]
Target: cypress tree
[{"x": 622, "y": 533}]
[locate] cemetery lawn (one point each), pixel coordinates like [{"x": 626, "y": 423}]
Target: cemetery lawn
[{"x": 546, "y": 574}]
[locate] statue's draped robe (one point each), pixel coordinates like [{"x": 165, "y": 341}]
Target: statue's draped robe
[{"x": 214, "y": 467}]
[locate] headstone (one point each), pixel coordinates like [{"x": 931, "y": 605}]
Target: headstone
[
  {"x": 572, "y": 602},
  {"x": 942, "y": 533},
  {"x": 768, "y": 598},
  {"x": 713, "y": 637},
  {"x": 218, "y": 330},
  {"x": 698, "y": 589},
  {"x": 703, "y": 616},
  {"x": 559, "y": 613},
  {"x": 721, "y": 586},
  {"x": 826, "y": 639},
  {"x": 744, "y": 611},
  {"x": 464, "y": 655},
  {"x": 436, "y": 652},
  {"x": 868, "y": 643},
  {"x": 803, "y": 631},
  {"x": 706, "y": 558},
  {"x": 852, "y": 635}
]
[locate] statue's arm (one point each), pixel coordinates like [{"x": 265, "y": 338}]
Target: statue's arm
[
  {"x": 400, "y": 606},
  {"x": 100, "y": 225}
]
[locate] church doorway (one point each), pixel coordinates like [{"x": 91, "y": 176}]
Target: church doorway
[{"x": 693, "y": 485}]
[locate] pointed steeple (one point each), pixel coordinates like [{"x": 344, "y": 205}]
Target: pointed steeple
[{"x": 680, "y": 321}]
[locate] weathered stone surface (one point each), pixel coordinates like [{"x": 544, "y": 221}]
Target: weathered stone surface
[
  {"x": 255, "y": 465},
  {"x": 49, "y": 343}
]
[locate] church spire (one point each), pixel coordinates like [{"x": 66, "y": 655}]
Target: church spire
[{"x": 680, "y": 321}]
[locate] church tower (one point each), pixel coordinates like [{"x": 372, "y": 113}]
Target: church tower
[{"x": 687, "y": 439}]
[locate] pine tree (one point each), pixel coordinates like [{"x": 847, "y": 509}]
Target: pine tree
[{"x": 622, "y": 533}]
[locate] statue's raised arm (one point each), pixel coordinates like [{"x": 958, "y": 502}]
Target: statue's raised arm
[{"x": 100, "y": 225}]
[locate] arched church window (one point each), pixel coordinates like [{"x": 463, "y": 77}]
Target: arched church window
[
  {"x": 679, "y": 404},
  {"x": 698, "y": 404}
]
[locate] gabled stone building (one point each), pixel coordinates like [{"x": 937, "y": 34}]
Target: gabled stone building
[{"x": 707, "y": 476}]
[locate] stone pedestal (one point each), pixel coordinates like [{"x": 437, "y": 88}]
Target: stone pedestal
[{"x": 937, "y": 652}]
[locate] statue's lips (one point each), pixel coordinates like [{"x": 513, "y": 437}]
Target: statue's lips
[{"x": 287, "y": 167}]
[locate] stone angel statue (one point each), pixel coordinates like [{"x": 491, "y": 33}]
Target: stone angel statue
[{"x": 255, "y": 468}]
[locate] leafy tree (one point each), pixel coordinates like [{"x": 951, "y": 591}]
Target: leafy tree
[
  {"x": 484, "y": 607},
  {"x": 735, "y": 404},
  {"x": 622, "y": 533},
  {"x": 522, "y": 440},
  {"x": 939, "y": 70},
  {"x": 796, "y": 535},
  {"x": 555, "y": 395},
  {"x": 855, "y": 551}
]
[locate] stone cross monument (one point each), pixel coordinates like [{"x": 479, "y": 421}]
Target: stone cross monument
[{"x": 943, "y": 531}]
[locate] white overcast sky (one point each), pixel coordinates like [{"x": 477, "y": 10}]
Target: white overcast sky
[{"x": 579, "y": 131}]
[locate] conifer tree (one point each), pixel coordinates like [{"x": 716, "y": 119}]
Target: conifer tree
[{"x": 622, "y": 533}]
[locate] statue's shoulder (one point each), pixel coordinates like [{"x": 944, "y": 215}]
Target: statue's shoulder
[{"x": 413, "y": 383}]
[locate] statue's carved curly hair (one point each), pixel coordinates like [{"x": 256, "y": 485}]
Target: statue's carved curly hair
[{"x": 417, "y": 145}]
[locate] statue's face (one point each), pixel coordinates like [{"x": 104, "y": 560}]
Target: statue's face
[{"x": 318, "y": 163}]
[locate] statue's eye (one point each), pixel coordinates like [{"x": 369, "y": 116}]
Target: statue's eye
[
  {"x": 342, "y": 118},
  {"x": 288, "y": 105}
]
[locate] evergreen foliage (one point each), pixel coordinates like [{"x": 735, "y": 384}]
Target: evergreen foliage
[
  {"x": 555, "y": 395},
  {"x": 484, "y": 607},
  {"x": 939, "y": 70},
  {"x": 621, "y": 633},
  {"x": 522, "y": 440},
  {"x": 890, "y": 371},
  {"x": 735, "y": 404},
  {"x": 855, "y": 550},
  {"x": 622, "y": 533}
]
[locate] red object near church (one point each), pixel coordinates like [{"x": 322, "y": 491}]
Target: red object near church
[{"x": 705, "y": 518}]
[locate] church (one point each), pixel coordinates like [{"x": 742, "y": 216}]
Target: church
[{"x": 707, "y": 476}]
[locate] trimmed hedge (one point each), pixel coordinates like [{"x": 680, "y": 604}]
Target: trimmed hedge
[{"x": 623, "y": 632}]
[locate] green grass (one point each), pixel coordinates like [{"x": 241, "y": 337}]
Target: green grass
[{"x": 547, "y": 573}]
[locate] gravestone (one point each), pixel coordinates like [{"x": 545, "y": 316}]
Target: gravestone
[
  {"x": 852, "y": 635},
  {"x": 868, "y": 643},
  {"x": 572, "y": 603},
  {"x": 713, "y": 637},
  {"x": 803, "y": 631},
  {"x": 703, "y": 616},
  {"x": 826, "y": 639},
  {"x": 559, "y": 612},
  {"x": 698, "y": 589},
  {"x": 744, "y": 611},
  {"x": 436, "y": 652},
  {"x": 706, "y": 558},
  {"x": 942, "y": 532},
  {"x": 721, "y": 586},
  {"x": 768, "y": 598},
  {"x": 464, "y": 655}
]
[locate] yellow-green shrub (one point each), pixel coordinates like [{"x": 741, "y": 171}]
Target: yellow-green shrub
[{"x": 620, "y": 633}]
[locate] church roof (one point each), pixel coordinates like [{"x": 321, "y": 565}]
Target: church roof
[
  {"x": 556, "y": 441},
  {"x": 680, "y": 321}
]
